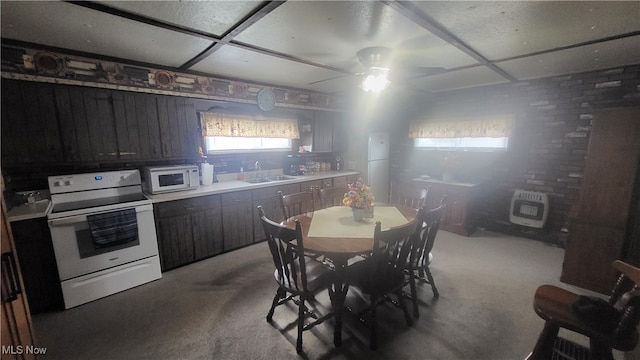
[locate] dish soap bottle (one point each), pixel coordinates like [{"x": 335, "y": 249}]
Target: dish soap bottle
[{"x": 241, "y": 174}]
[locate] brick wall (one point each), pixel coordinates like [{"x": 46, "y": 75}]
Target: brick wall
[{"x": 548, "y": 147}]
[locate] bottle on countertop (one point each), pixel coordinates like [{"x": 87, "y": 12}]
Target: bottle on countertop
[{"x": 241, "y": 174}]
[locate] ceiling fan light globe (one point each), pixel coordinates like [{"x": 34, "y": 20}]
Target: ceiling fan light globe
[{"x": 376, "y": 80}]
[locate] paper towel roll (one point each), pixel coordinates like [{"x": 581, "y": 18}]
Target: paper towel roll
[{"x": 206, "y": 172}]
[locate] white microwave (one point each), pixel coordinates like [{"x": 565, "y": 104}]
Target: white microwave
[{"x": 161, "y": 179}]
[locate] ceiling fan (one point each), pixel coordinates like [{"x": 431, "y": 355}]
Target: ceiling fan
[{"x": 380, "y": 71}]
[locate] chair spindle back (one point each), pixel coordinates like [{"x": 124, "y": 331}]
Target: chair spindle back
[{"x": 287, "y": 250}]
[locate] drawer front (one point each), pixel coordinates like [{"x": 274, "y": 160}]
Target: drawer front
[
  {"x": 310, "y": 185},
  {"x": 270, "y": 192},
  {"x": 340, "y": 181},
  {"x": 186, "y": 206},
  {"x": 289, "y": 189},
  {"x": 237, "y": 197}
]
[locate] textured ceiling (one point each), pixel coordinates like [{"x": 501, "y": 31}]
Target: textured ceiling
[{"x": 313, "y": 44}]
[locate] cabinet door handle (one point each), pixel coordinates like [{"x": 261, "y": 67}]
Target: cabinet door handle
[
  {"x": 188, "y": 208},
  {"x": 10, "y": 276}
]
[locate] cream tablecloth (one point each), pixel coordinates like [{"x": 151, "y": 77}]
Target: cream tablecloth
[{"x": 337, "y": 221}]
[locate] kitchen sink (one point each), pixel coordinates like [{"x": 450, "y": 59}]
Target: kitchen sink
[
  {"x": 280, "y": 177},
  {"x": 257, "y": 181},
  {"x": 269, "y": 179}
]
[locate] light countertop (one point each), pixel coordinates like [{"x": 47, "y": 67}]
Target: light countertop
[
  {"x": 41, "y": 208},
  {"x": 238, "y": 185},
  {"x": 452, "y": 182},
  {"x": 29, "y": 211}
]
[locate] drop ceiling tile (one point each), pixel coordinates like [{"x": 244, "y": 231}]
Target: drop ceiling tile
[
  {"x": 214, "y": 17},
  {"x": 332, "y": 32},
  {"x": 501, "y": 29},
  {"x": 585, "y": 58},
  {"x": 81, "y": 29},
  {"x": 476, "y": 76},
  {"x": 234, "y": 62}
]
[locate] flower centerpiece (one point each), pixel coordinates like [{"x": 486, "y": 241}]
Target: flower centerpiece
[{"x": 359, "y": 198}]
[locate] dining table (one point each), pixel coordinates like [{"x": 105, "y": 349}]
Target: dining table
[{"x": 334, "y": 234}]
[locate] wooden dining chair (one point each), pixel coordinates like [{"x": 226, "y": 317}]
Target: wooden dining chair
[
  {"x": 609, "y": 324},
  {"x": 331, "y": 197},
  {"x": 296, "y": 274},
  {"x": 382, "y": 273},
  {"x": 417, "y": 266},
  {"x": 297, "y": 203},
  {"x": 407, "y": 195}
]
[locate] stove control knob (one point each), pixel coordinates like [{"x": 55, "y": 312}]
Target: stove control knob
[
  {"x": 57, "y": 183},
  {"x": 68, "y": 182}
]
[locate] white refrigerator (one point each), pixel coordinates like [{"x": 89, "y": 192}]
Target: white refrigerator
[{"x": 378, "y": 165}]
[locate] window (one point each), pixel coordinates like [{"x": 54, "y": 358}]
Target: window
[
  {"x": 463, "y": 143},
  {"x": 476, "y": 134},
  {"x": 231, "y": 132},
  {"x": 225, "y": 143}
]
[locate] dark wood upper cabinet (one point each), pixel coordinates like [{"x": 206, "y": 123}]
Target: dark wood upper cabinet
[
  {"x": 137, "y": 127},
  {"x": 30, "y": 132},
  {"x": 49, "y": 123},
  {"x": 101, "y": 123},
  {"x": 323, "y": 132},
  {"x": 178, "y": 127},
  {"x": 74, "y": 130},
  {"x": 340, "y": 132}
]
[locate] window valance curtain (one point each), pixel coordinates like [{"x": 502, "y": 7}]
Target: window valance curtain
[
  {"x": 218, "y": 124},
  {"x": 496, "y": 126}
]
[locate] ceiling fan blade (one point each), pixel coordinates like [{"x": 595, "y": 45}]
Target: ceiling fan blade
[
  {"x": 333, "y": 78},
  {"x": 396, "y": 74}
]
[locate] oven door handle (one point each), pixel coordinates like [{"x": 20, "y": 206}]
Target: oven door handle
[{"x": 71, "y": 220}]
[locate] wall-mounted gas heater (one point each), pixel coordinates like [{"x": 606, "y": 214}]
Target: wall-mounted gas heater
[{"x": 529, "y": 208}]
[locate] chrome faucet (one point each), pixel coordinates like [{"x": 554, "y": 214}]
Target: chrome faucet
[{"x": 257, "y": 169}]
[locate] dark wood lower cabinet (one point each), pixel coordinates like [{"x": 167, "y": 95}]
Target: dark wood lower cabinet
[
  {"x": 310, "y": 185},
  {"x": 460, "y": 217},
  {"x": 237, "y": 221},
  {"x": 192, "y": 229},
  {"x": 39, "y": 268},
  {"x": 188, "y": 230}
]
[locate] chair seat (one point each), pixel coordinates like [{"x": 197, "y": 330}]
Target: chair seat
[
  {"x": 554, "y": 304},
  {"x": 359, "y": 275},
  {"x": 319, "y": 276}
]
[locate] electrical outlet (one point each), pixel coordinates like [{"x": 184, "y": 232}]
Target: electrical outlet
[{"x": 351, "y": 165}]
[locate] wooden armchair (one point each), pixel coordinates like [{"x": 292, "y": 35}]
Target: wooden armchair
[
  {"x": 331, "y": 196},
  {"x": 610, "y": 325},
  {"x": 383, "y": 273},
  {"x": 297, "y": 203},
  {"x": 417, "y": 266},
  {"x": 298, "y": 275},
  {"x": 409, "y": 196}
]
